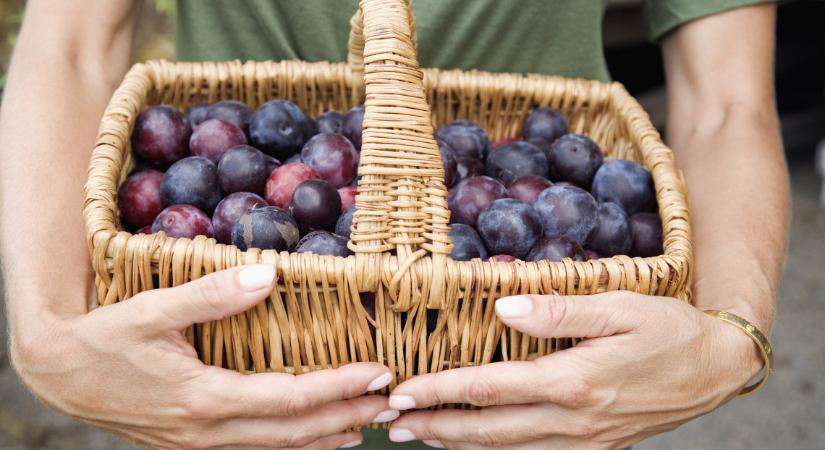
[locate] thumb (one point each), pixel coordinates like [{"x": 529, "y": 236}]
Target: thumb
[
  {"x": 546, "y": 316},
  {"x": 213, "y": 297}
]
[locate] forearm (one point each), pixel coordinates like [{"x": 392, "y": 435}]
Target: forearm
[{"x": 58, "y": 86}]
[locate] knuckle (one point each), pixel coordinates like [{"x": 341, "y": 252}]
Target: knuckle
[
  {"x": 198, "y": 408},
  {"x": 295, "y": 403},
  {"x": 208, "y": 289},
  {"x": 485, "y": 437},
  {"x": 190, "y": 439},
  {"x": 585, "y": 429},
  {"x": 557, "y": 311},
  {"x": 577, "y": 394},
  {"x": 482, "y": 392},
  {"x": 300, "y": 437}
]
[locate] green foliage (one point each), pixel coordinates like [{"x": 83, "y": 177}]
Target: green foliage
[{"x": 166, "y": 7}]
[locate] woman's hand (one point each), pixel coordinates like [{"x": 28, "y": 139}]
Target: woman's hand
[
  {"x": 650, "y": 365},
  {"x": 127, "y": 368}
]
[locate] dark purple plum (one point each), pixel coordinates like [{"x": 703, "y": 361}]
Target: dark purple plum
[
  {"x": 527, "y": 188},
  {"x": 197, "y": 114},
  {"x": 161, "y": 135},
  {"x": 516, "y": 160},
  {"x": 449, "y": 164},
  {"x": 590, "y": 254},
  {"x": 646, "y": 234},
  {"x": 502, "y": 258},
  {"x": 192, "y": 180},
  {"x": 183, "y": 221},
  {"x": 347, "y": 194},
  {"x": 510, "y": 227},
  {"x": 283, "y": 181},
  {"x": 468, "y": 198},
  {"x": 229, "y": 210},
  {"x": 296, "y": 158},
  {"x": 139, "y": 197},
  {"x": 567, "y": 211},
  {"x": 556, "y": 248},
  {"x": 330, "y": 122},
  {"x": 466, "y": 243},
  {"x": 612, "y": 234},
  {"x": 213, "y": 137},
  {"x": 467, "y": 168},
  {"x": 315, "y": 205},
  {"x": 331, "y": 156},
  {"x": 465, "y": 138},
  {"x": 147, "y": 229},
  {"x": 266, "y": 228},
  {"x": 271, "y": 163},
  {"x": 323, "y": 243},
  {"x": 564, "y": 183},
  {"x": 279, "y": 128},
  {"x": 501, "y": 143},
  {"x": 574, "y": 158},
  {"x": 545, "y": 123},
  {"x": 343, "y": 226},
  {"x": 243, "y": 169},
  {"x": 232, "y": 111},
  {"x": 626, "y": 184},
  {"x": 353, "y": 125}
]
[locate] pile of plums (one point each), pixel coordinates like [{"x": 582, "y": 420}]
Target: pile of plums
[
  {"x": 549, "y": 195},
  {"x": 217, "y": 171}
]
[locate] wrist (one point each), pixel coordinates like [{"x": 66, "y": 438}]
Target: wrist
[{"x": 736, "y": 354}]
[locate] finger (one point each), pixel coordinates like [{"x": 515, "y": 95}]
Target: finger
[
  {"x": 292, "y": 432},
  {"x": 229, "y": 394},
  {"x": 555, "y": 443},
  {"x": 212, "y": 297},
  {"x": 598, "y": 315},
  {"x": 340, "y": 440},
  {"x": 502, "y": 383}
]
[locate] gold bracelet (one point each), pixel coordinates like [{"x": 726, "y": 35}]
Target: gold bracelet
[{"x": 761, "y": 342}]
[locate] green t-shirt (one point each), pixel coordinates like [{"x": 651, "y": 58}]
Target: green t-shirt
[{"x": 560, "y": 37}]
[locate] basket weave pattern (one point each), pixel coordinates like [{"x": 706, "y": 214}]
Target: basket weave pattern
[{"x": 314, "y": 319}]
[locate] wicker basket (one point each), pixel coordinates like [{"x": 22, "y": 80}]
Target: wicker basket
[{"x": 314, "y": 319}]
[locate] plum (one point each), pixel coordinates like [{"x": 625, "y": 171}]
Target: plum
[
  {"x": 266, "y": 228},
  {"x": 347, "y": 194},
  {"x": 182, "y": 221},
  {"x": 330, "y": 122},
  {"x": 353, "y": 125},
  {"x": 467, "y": 168},
  {"x": 545, "y": 123},
  {"x": 612, "y": 234},
  {"x": 470, "y": 196},
  {"x": 502, "y": 258},
  {"x": 343, "y": 226},
  {"x": 574, "y": 158},
  {"x": 229, "y": 210},
  {"x": 466, "y": 243},
  {"x": 146, "y": 229},
  {"x": 332, "y": 157},
  {"x": 243, "y": 169},
  {"x": 197, "y": 114},
  {"x": 516, "y": 160},
  {"x": 568, "y": 211},
  {"x": 646, "y": 234},
  {"x": 279, "y": 128},
  {"x": 282, "y": 182},
  {"x": 448, "y": 162},
  {"x": 232, "y": 111},
  {"x": 315, "y": 205},
  {"x": 527, "y": 188},
  {"x": 192, "y": 180},
  {"x": 509, "y": 226},
  {"x": 556, "y": 248},
  {"x": 323, "y": 243},
  {"x": 139, "y": 197},
  {"x": 590, "y": 254},
  {"x": 465, "y": 138},
  {"x": 161, "y": 135},
  {"x": 501, "y": 143},
  {"x": 625, "y": 183},
  {"x": 213, "y": 137},
  {"x": 296, "y": 158},
  {"x": 271, "y": 163}
]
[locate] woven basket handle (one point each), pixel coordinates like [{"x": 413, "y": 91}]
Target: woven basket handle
[{"x": 401, "y": 201}]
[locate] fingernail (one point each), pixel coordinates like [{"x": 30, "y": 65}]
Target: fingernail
[
  {"x": 380, "y": 382},
  {"x": 402, "y": 402},
  {"x": 401, "y": 435},
  {"x": 514, "y": 307},
  {"x": 352, "y": 444},
  {"x": 433, "y": 443},
  {"x": 256, "y": 277},
  {"x": 386, "y": 416}
]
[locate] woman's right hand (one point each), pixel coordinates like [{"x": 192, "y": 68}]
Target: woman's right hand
[{"x": 127, "y": 368}]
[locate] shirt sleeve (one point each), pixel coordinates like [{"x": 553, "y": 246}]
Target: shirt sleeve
[{"x": 664, "y": 16}]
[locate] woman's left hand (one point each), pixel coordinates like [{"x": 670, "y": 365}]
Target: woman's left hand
[{"x": 649, "y": 365}]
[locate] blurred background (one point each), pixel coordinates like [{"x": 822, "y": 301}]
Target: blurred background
[{"x": 787, "y": 414}]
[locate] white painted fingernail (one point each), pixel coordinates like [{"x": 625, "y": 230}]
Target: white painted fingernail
[
  {"x": 256, "y": 277},
  {"x": 386, "y": 416},
  {"x": 402, "y": 402},
  {"x": 433, "y": 443},
  {"x": 514, "y": 307},
  {"x": 352, "y": 444},
  {"x": 380, "y": 382},
  {"x": 401, "y": 435}
]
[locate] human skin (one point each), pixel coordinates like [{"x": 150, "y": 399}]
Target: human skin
[
  {"x": 651, "y": 364},
  {"x": 127, "y": 367}
]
